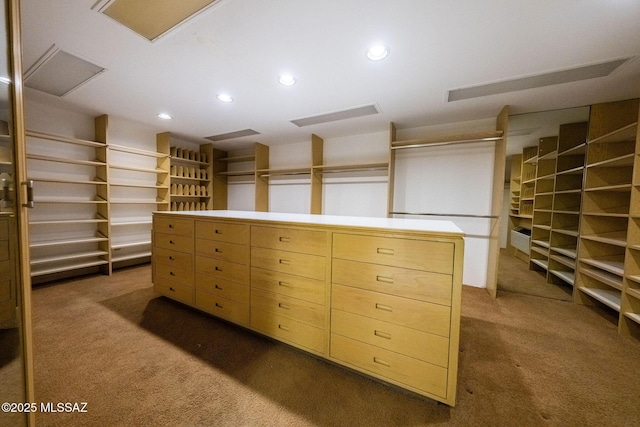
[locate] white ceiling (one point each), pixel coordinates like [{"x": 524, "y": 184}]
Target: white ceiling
[{"x": 241, "y": 46}]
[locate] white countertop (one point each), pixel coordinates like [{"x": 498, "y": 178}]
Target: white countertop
[{"x": 428, "y": 225}]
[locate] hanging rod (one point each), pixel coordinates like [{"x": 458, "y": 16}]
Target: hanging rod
[
  {"x": 442, "y": 214},
  {"x": 436, "y": 144}
]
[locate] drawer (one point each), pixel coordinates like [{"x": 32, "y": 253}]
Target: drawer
[
  {"x": 173, "y": 242},
  {"x": 425, "y": 255},
  {"x": 223, "y": 288},
  {"x": 4, "y": 229},
  {"x": 286, "y": 284},
  {"x": 178, "y": 259},
  {"x": 179, "y": 273},
  {"x": 225, "y": 308},
  {"x": 423, "y": 316},
  {"x": 223, "y": 250},
  {"x": 415, "y": 284},
  {"x": 223, "y": 269},
  {"x": 311, "y": 242},
  {"x": 5, "y": 288},
  {"x": 173, "y": 290},
  {"x": 223, "y": 232},
  {"x": 311, "y": 266},
  {"x": 291, "y": 308},
  {"x": 390, "y": 365},
  {"x": 174, "y": 226},
  {"x": 4, "y": 250},
  {"x": 410, "y": 342},
  {"x": 289, "y": 330}
]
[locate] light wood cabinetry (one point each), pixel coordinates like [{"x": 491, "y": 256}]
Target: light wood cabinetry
[
  {"x": 241, "y": 168},
  {"x": 191, "y": 175},
  {"x": 608, "y": 225},
  {"x": 138, "y": 185},
  {"x": 8, "y": 285},
  {"x": 381, "y": 296},
  {"x": 69, "y": 223}
]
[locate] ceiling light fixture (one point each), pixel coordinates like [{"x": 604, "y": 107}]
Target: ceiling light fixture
[
  {"x": 224, "y": 98},
  {"x": 287, "y": 80},
  {"x": 377, "y": 52},
  {"x": 165, "y": 116}
]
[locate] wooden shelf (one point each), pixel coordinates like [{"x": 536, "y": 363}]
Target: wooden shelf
[
  {"x": 450, "y": 139},
  {"x": 351, "y": 167},
  {"x": 68, "y": 267},
  {"x": 67, "y": 242},
  {"x": 608, "y": 297},
  {"x": 625, "y": 133},
  {"x": 65, "y": 139},
  {"x": 66, "y": 160},
  {"x": 140, "y": 152},
  {"x": 68, "y": 257}
]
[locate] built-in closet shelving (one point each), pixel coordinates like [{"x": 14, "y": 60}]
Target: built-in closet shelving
[
  {"x": 6, "y": 169},
  {"x": 527, "y": 193},
  {"x": 567, "y": 202},
  {"x": 138, "y": 186},
  {"x": 515, "y": 184},
  {"x": 543, "y": 203},
  {"x": 241, "y": 168},
  {"x": 191, "y": 175},
  {"x": 69, "y": 223},
  {"x": 607, "y": 272}
]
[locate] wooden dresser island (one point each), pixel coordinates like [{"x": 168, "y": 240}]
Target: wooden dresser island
[{"x": 381, "y": 296}]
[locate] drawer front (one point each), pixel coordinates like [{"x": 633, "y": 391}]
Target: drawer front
[
  {"x": 223, "y": 232},
  {"x": 175, "y": 226},
  {"x": 311, "y": 266},
  {"x": 223, "y": 288},
  {"x": 387, "y": 364},
  {"x": 4, "y": 250},
  {"x": 173, "y": 290},
  {"x": 223, "y": 250},
  {"x": 173, "y": 258},
  {"x": 4, "y": 229},
  {"x": 173, "y": 242},
  {"x": 410, "y": 342},
  {"x": 286, "y": 284},
  {"x": 287, "y": 239},
  {"x": 179, "y": 273},
  {"x": 415, "y": 284},
  {"x": 291, "y": 308},
  {"x": 423, "y": 316},
  {"x": 416, "y": 254},
  {"x": 225, "y": 308},
  {"x": 289, "y": 330},
  {"x": 223, "y": 269}
]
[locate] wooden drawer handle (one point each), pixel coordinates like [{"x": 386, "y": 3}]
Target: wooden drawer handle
[
  {"x": 283, "y": 305},
  {"x": 384, "y": 307},
  {"x": 284, "y": 239},
  {"x": 385, "y": 251},
  {"x": 218, "y": 287},
  {"x": 284, "y": 328},
  {"x": 285, "y": 284},
  {"x": 171, "y": 226},
  {"x": 171, "y": 289},
  {"x": 171, "y": 273},
  {"x": 284, "y": 262},
  {"x": 171, "y": 258},
  {"x": 381, "y": 362},
  {"x": 218, "y": 268},
  {"x": 382, "y": 335},
  {"x": 171, "y": 242},
  {"x": 218, "y": 231},
  {"x": 218, "y": 305},
  {"x": 384, "y": 279}
]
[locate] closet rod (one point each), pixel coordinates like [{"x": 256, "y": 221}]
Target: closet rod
[
  {"x": 442, "y": 214},
  {"x": 435, "y": 144}
]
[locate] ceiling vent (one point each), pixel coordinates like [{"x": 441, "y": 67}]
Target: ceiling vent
[
  {"x": 232, "y": 135},
  {"x": 152, "y": 18},
  {"x": 540, "y": 80},
  {"x": 58, "y": 72},
  {"x": 351, "y": 113}
]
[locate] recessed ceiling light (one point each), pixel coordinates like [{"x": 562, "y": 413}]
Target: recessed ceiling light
[
  {"x": 224, "y": 98},
  {"x": 287, "y": 80},
  {"x": 165, "y": 116},
  {"x": 377, "y": 52}
]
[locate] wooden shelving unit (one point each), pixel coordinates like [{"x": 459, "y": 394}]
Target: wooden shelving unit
[
  {"x": 242, "y": 167},
  {"x": 138, "y": 185},
  {"x": 609, "y": 244},
  {"x": 191, "y": 175},
  {"x": 69, "y": 224}
]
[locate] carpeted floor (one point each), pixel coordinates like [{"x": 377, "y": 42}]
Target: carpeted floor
[{"x": 140, "y": 359}]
